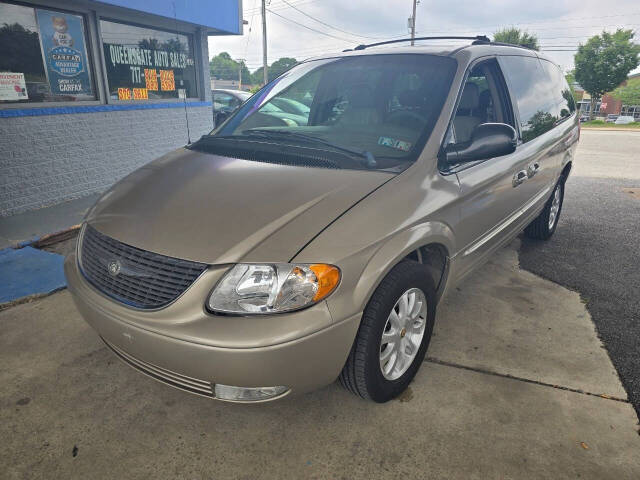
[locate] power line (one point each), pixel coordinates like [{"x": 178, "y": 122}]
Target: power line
[
  {"x": 280, "y": 6},
  {"x": 328, "y": 25},
  {"x": 246, "y": 45},
  {"x": 308, "y": 28}
]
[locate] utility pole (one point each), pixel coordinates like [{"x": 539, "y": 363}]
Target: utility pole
[
  {"x": 240, "y": 65},
  {"x": 264, "y": 41},
  {"x": 413, "y": 23}
]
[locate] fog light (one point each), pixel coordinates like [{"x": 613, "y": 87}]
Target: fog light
[{"x": 244, "y": 394}]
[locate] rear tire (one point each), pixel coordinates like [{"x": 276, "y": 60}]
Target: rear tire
[
  {"x": 543, "y": 227},
  {"x": 398, "y": 297}
]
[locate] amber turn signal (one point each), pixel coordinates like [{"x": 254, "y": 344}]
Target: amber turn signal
[{"x": 328, "y": 278}]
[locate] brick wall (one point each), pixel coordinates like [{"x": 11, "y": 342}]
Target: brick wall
[
  {"x": 54, "y": 158},
  {"x": 48, "y": 159}
]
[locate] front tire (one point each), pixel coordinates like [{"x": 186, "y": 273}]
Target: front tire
[
  {"x": 394, "y": 334},
  {"x": 543, "y": 227}
]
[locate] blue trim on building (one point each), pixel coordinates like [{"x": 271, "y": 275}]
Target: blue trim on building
[
  {"x": 35, "y": 112},
  {"x": 222, "y": 15}
]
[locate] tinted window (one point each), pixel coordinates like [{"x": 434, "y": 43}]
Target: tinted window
[
  {"x": 225, "y": 101},
  {"x": 144, "y": 63},
  {"x": 381, "y": 106},
  {"x": 562, "y": 93},
  {"x": 43, "y": 56},
  {"x": 534, "y": 94}
]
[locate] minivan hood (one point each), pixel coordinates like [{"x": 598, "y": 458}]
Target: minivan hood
[{"x": 213, "y": 209}]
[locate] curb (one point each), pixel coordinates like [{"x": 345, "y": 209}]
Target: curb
[
  {"x": 612, "y": 129},
  {"x": 48, "y": 239}
]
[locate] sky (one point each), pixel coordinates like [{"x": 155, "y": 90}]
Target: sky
[{"x": 560, "y": 25}]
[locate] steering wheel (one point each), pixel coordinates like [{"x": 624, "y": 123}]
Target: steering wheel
[{"x": 406, "y": 118}]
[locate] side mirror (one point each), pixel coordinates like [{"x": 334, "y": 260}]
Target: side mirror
[{"x": 488, "y": 140}]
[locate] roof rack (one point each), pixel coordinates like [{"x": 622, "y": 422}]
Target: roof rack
[{"x": 476, "y": 40}]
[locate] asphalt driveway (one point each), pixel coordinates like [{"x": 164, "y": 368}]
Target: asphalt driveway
[{"x": 596, "y": 248}]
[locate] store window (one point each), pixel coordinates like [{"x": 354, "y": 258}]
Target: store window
[
  {"x": 146, "y": 64},
  {"x": 43, "y": 56}
]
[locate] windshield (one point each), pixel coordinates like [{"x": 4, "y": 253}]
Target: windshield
[
  {"x": 370, "y": 111},
  {"x": 244, "y": 95}
]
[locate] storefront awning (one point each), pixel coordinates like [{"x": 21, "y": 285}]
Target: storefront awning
[{"x": 219, "y": 15}]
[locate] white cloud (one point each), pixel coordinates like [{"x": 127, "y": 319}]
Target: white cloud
[{"x": 559, "y": 25}]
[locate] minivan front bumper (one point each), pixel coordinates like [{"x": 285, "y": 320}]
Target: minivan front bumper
[{"x": 186, "y": 352}]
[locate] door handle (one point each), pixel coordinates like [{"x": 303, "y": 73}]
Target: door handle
[
  {"x": 533, "y": 169},
  {"x": 519, "y": 177}
]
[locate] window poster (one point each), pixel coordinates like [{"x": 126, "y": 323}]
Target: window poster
[
  {"x": 65, "y": 55},
  {"x": 12, "y": 86}
]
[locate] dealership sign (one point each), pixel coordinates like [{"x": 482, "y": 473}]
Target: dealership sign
[{"x": 63, "y": 47}]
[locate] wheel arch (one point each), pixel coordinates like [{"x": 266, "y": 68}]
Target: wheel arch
[
  {"x": 429, "y": 243},
  {"x": 566, "y": 170}
]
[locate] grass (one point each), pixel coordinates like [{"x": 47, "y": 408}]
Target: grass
[{"x": 603, "y": 124}]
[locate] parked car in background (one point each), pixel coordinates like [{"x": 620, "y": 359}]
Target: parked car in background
[
  {"x": 292, "y": 106},
  {"x": 291, "y": 119},
  {"x": 225, "y": 102},
  {"x": 584, "y": 118},
  {"x": 624, "y": 120},
  {"x": 611, "y": 118},
  {"x": 285, "y": 250}
]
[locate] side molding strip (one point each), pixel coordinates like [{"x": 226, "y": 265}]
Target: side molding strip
[{"x": 507, "y": 222}]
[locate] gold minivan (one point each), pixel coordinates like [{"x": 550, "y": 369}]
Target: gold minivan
[{"x": 311, "y": 235}]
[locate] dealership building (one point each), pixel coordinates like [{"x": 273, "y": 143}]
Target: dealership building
[{"x": 90, "y": 91}]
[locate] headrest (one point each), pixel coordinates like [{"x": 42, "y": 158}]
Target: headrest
[
  {"x": 470, "y": 97},
  {"x": 410, "y": 98},
  {"x": 360, "y": 96},
  {"x": 485, "y": 98}
]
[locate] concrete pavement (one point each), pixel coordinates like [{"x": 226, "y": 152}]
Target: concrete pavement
[
  {"x": 32, "y": 225},
  {"x": 70, "y": 409},
  {"x": 608, "y": 154},
  {"x": 595, "y": 248}
]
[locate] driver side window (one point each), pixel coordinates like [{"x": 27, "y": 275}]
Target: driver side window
[{"x": 481, "y": 102}]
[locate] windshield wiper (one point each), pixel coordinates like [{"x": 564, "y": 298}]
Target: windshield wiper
[{"x": 367, "y": 158}]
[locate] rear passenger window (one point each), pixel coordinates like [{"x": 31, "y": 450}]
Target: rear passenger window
[
  {"x": 533, "y": 90},
  {"x": 561, "y": 92}
]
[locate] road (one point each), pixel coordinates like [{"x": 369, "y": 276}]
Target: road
[{"x": 596, "y": 248}]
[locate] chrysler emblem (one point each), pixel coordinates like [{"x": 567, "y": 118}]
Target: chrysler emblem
[{"x": 114, "y": 267}]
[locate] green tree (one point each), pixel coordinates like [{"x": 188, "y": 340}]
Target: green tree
[
  {"x": 223, "y": 67},
  {"x": 515, "y": 36},
  {"x": 20, "y": 52},
  {"x": 570, "y": 77},
  {"x": 274, "y": 70},
  {"x": 256, "y": 77},
  {"x": 280, "y": 66},
  {"x": 604, "y": 62},
  {"x": 629, "y": 94}
]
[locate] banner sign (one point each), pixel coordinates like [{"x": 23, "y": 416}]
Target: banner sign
[
  {"x": 147, "y": 69},
  {"x": 62, "y": 41},
  {"x": 12, "y": 86}
]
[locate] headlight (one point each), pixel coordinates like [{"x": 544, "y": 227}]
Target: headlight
[{"x": 273, "y": 288}]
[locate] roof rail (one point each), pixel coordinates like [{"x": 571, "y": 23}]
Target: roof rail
[{"x": 477, "y": 38}]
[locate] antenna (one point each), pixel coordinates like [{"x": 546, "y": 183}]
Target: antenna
[{"x": 184, "y": 98}]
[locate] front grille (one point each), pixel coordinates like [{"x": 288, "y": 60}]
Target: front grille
[
  {"x": 133, "y": 276},
  {"x": 190, "y": 384}
]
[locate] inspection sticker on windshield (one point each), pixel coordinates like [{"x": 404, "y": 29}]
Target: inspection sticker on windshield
[{"x": 393, "y": 143}]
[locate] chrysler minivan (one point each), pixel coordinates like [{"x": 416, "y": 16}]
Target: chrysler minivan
[{"x": 281, "y": 252}]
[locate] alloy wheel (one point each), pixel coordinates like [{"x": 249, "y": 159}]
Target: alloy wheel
[
  {"x": 555, "y": 206},
  {"x": 403, "y": 333}
]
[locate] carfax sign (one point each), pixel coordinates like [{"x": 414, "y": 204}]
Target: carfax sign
[{"x": 62, "y": 40}]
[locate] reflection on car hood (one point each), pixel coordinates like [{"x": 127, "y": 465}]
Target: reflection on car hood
[{"x": 214, "y": 209}]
